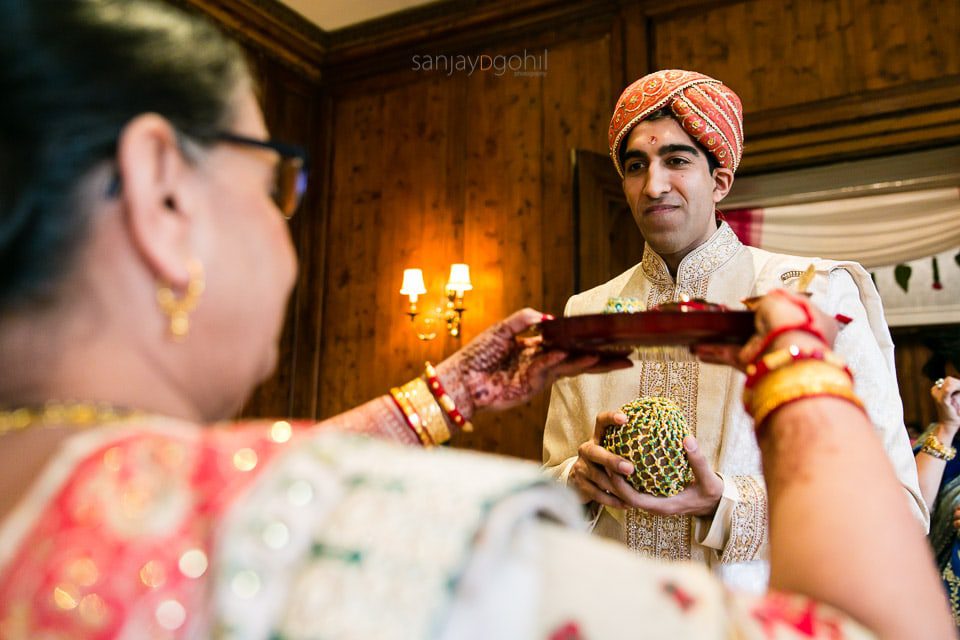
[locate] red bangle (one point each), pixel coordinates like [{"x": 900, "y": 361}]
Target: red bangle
[
  {"x": 782, "y": 357},
  {"x": 443, "y": 398}
]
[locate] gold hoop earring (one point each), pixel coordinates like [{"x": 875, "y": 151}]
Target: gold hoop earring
[{"x": 179, "y": 309}]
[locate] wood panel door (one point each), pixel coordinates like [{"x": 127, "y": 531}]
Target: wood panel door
[{"x": 608, "y": 241}]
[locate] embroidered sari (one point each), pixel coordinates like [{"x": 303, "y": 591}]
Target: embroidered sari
[{"x": 943, "y": 535}]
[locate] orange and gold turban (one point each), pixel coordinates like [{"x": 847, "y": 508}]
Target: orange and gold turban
[{"x": 709, "y": 111}]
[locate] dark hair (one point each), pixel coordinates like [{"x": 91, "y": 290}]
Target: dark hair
[
  {"x": 72, "y": 74},
  {"x": 660, "y": 114}
]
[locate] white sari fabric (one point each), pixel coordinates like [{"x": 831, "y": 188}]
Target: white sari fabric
[
  {"x": 169, "y": 530},
  {"x": 459, "y": 546}
]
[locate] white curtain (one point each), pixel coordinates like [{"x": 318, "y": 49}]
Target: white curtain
[{"x": 875, "y": 231}]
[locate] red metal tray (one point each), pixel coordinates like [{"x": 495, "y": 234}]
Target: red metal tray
[{"x": 620, "y": 333}]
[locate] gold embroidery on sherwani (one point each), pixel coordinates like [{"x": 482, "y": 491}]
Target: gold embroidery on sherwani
[
  {"x": 748, "y": 526},
  {"x": 668, "y": 537}
]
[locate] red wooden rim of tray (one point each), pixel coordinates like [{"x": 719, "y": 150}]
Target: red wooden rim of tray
[{"x": 619, "y": 333}]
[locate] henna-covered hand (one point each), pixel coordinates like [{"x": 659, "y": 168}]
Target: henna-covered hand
[{"x": 498, "y": 369}]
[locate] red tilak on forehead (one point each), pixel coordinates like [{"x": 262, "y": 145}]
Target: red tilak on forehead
[{"x": 653, "y": 139}]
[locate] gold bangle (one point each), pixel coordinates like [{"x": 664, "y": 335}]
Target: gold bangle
[
  {"x": 431, "y": 414},
  {"x": 803, "y": 379},
  {"x": 773, "y": 402},
  {"x": 933, "y": 447},
  {"x": 411, "y": 415},
  {"x": 795, "y": 374}
]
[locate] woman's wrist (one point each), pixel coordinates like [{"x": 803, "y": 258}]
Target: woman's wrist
[
  {"x": 800, "y": 339},
  {"x": 938, "y": 447},
  {"x": 946, "y": 431},
  {"x": 451, "y": 377},
  {"x": 429, "y": 408},
  {"x": 795, "y": 367}
]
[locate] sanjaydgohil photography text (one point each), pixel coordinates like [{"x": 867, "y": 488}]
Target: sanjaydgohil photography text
[{"x": 520, "y": 64}]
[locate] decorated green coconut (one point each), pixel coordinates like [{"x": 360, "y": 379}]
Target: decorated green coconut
[
  {"x": 624, "y": 305},
  {"x": 652, "y": 439}
]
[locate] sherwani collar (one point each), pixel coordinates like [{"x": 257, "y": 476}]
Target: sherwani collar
[{"x": 699, "y": 263}]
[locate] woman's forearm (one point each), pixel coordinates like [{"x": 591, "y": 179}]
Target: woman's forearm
[
  {"x": 382, "y": 418},
  {"x": 379, "y": 418},
  {"x": 930, "y": 468},
  {"x": 840, "y": 526}
]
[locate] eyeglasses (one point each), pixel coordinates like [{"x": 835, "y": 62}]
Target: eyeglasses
[{"x": 290, "y": 177}]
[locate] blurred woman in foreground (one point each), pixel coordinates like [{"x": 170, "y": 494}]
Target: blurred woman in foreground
[{"x": 145, "y": 268}]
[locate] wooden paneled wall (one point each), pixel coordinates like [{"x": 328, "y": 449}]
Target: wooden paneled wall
[
  {"x": 465, "y": 168},
  {"x": 295, "y": 110},
  {"x": 825, "y": 79},
  {"x": 418, "y": 168}
]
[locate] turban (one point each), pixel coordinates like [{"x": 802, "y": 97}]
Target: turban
[{"x": 709, "y": 111}]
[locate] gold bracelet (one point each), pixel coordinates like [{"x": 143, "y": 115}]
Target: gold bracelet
[
  {"x": 803, "y": 379},
  {"x": 411, "y": 416},
  {"x": 933, "y": 447},
  {"x": 793, "y": 375},
  {"x": 431, "y": 413},
  {"x": 773, "y": 402}
]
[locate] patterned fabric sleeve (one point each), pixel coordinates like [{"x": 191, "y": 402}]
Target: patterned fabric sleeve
[
  {"x": 564, "y": 431},
  {"x": 748, "y": 522},
  {"x": 738, "y": 530},
  {"x": 120, "y": 527},
  {"x": 379, "y": 418}
]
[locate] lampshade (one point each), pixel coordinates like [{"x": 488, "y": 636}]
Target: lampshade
[
  {"x": 459, "y": 278},
  {"x": 413, "y": 283}
]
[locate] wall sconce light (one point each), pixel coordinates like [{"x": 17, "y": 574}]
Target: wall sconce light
[
  {"x": 413, "y": 287},
  {"x": 457, "y": 285}
]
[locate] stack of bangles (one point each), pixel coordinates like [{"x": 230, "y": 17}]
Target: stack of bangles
[
  {"x": 933, "y": 447},
  {"x": 426, "y": 407},
  {"x": 787, "y": 375}
]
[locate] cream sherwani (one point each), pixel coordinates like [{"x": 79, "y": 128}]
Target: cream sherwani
[{"x": 724, "y": 270}]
